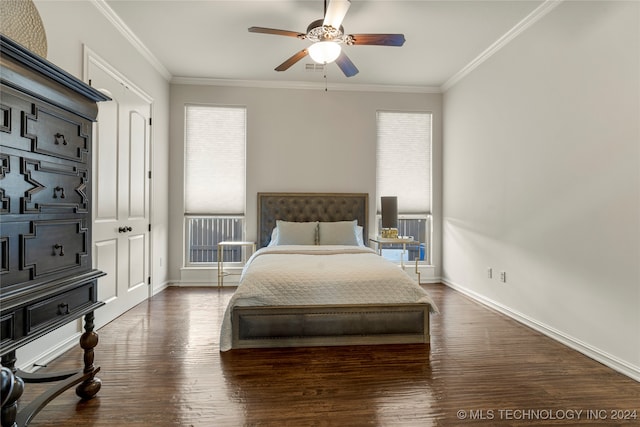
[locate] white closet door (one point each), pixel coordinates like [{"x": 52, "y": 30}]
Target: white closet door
[{"x": 121, "y": 193}]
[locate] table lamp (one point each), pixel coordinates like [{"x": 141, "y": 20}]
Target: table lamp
[{"x": 389, "y": 217}]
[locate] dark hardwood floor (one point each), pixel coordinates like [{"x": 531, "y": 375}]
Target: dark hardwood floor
[{"x": 161, "y": 367}]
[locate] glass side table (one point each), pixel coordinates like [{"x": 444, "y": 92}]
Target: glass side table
[
  {"x": 221, "y": 246},
  {"x": 404, "y": 241}
]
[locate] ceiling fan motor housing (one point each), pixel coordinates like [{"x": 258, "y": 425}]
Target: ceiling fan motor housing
[{"x": 316, "y": 32}]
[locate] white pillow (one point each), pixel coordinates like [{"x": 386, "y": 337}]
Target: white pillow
[
  {"x": 338, "y": 233},
  {"x": 274, "y": 237},
  {"x": 296, "y": 233},
  {"x": 359, "y": 235}
]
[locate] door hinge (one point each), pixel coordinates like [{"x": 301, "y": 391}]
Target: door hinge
[
  {"x": 149, "y": 227},
  {"x": 149, "y": 280},
  {"x": 149, "y": 121},
  {"x": 149, "y": 174},
  {"x": 89, "y": 82}
]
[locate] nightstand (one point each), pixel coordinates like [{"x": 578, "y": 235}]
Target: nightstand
[
  {"x": 404, "y": 241},
  {"x": 221, "y": 246}
]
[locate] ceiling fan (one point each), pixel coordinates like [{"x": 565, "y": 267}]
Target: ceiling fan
[{"x": 327, "y": 35}]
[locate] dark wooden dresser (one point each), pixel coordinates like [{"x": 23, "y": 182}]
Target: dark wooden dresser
[{"x": 46, "y": 274}]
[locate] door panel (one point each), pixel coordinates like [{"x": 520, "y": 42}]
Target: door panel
[
  {"x": 136, "y": 268},
  {"x": 137, "y": 166},
  {"x": 122, "y": 196},
  {"x": 106, "y": 259},
  {"x": 105, "y": 185}
]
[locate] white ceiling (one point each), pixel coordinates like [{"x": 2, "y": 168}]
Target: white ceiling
[{"x": 208, "y": 39}]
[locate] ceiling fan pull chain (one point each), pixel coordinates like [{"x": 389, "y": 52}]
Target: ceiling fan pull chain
[{"x": 325, "y": 76}]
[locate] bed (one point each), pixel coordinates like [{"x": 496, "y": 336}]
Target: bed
[{"x": 314, "y": 282}]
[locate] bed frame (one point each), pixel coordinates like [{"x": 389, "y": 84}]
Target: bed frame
[{"x": 300, "y": 326}]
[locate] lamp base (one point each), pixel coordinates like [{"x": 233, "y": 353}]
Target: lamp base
[{"x": 390, "y": 233}]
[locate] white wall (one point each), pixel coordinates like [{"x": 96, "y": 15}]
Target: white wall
[
  {"x": 541, "y": 179},
  {"x": 298, "y": 140},
  {"x": 69, "y": 25}
]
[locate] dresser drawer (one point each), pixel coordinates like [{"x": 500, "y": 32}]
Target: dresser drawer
[
  {"x": 55, "y": 246},
  {"x": 59, "y": 308},
  {"x": 33, "y": 184},
  {"x": 32, "y": 125},
  {"x": 46, "y": 249},
  {"x": 7, "y": 328},
  {"x": 26, "y": 316}
]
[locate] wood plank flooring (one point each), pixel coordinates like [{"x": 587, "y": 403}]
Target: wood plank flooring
[{"x": 161, "y": 367}]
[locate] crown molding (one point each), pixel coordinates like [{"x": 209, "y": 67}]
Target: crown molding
[
  {"x": 519, "y": 28},
  {"x": 271, "y": 84},
  {"x": 115, "y": 20}
]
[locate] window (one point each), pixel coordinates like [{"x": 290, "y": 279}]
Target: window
[
  {"x": 214, "y": 177},
  {"x": 403, "y": 169}
]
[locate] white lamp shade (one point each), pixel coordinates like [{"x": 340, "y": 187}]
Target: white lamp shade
[{"x": 324, "y": 52}]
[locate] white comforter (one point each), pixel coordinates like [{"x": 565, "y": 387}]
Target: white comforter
[{"x": 306, "y": 275}]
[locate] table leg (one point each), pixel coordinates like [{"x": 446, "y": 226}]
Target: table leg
[{"x": 219, "y": 266}]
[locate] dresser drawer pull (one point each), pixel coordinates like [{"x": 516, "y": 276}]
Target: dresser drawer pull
[
  {"x": 57, "y": 190},
  {"x": 58, "y": 246},
  {"x": 63, "y": 308},
  {"x": 60, "y": 138}
]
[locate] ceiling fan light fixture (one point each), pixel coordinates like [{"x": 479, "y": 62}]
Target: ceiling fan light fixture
[
  {"x": 327, "y": 35},
  {"x": 324, "y": 52}
]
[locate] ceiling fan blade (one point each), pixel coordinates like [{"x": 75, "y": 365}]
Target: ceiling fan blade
[
  {"x": 289, "y": 62},
  {"x": 336, "y": 12},
  {"x": 345, "y": 64},
  {"x": 277, "y": 32},
  {"x": 378, "y": 39}
]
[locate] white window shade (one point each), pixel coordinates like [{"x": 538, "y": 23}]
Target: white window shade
[
  {"x": 215, "y": 160},
  {"x": 404, "y": 160}
]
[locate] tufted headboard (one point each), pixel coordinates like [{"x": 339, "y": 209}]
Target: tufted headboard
[{"x": 302, "y": 207}]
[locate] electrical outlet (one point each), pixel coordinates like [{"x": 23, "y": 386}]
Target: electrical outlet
[
  {"x": 503, "y": 276},
  {"x": 489, "y": 272}
]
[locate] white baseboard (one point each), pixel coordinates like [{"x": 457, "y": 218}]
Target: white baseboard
[
  {"x": 201, "y": 284},
  {"x": 588, "y": 350},
  {"x": 162, "y": 287},
  {"x": 51, "y": 353}
]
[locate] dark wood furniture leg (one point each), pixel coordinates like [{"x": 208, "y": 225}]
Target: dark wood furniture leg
[
  {"x": 12, "y": 388},
  {"x": 89, "y": 387},
  {"x": 13, "y": 384}
]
